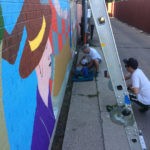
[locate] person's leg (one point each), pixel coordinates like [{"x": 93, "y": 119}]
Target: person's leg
[
  {"x": 143, "y": 106},
  {"x": 139, "y": 103},
  {"x": 96, "y": 64},
  {"x": 92, "y": 30},
  {"x": 90, "y": 64}
]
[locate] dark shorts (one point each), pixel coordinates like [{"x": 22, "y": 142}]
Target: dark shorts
[{"x": 99, "y": 60}]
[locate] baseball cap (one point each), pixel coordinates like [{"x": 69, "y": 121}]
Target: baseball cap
[{"x": 131, "y": 62}]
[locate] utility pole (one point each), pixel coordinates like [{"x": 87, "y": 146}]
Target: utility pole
[{"x": 84, "y": 21}]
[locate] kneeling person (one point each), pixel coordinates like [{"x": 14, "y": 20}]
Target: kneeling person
[
  {"x": 140, "y": 83},
  {"x": 95, "y": 57}
]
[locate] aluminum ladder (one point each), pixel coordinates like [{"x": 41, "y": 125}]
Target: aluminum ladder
[{"x": 109, "y": 49}]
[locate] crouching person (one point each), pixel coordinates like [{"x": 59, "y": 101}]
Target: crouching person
[
  {"x": 140, "y": 84},
  {"x": 95, "y": 58}
]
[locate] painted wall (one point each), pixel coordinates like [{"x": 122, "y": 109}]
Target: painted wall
[
  {"x": 135, "y": 13},
  {"x": 37, "y": 42}
]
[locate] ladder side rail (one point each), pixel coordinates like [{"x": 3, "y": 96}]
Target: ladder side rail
[{"x": 111, "y": 56}]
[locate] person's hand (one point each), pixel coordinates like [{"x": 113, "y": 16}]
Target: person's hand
[
  {"x": 129, "y": 88},
  {"x": 127, "y": 76},
  {"x": 77, "y": 65}
]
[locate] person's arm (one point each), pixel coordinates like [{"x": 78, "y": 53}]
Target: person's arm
[
  {"x": 135, "y": 84},
  {"x": 134, "y": 90},
  {"x": 127, "y": 76}
]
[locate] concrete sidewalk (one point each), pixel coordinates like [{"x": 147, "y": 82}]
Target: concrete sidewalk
[{"x": 89, "y": 126}]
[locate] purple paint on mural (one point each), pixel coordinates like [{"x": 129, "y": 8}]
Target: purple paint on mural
[
  {"x": 43, "y": 124},
  {"x": 44, "y": 116}
]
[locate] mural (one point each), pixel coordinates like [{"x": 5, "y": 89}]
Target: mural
[
  {"x": 3, "y": 139},
  {"x": 36, "y": 61},
  {"x": 74, "y": 26}
]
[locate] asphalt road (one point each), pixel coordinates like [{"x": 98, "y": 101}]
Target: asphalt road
[{"x": 132, "y": 42}]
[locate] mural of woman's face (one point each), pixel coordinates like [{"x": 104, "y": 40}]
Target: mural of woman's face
[
  {"x": 43, "y": 71},
  {"x": 45, "y": 63},
  {"x": 48, "y": 53}
]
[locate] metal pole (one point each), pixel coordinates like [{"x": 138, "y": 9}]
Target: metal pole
[
  {"x": 85, "y": 22},
  {"x": 82, "y": 21}
]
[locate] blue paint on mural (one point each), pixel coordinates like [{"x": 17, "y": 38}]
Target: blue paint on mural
[
  {"x": 52, "y": 66},
  {"x": 64, "y": 4},
  {"x": 67, "y": 23},
  {"x": 64, "y": 39},
  {"x": 59, "y": 24},
  {"x": 44, "y": 2},
  {"x": 19, "y": 108},
  {"x": 70, "y": 35},
  {"x": 55, "y": 42},
  {"x": 11, "y": 11}
]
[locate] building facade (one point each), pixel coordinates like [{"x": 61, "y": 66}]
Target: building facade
[{"x": 134, "y": 12}]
